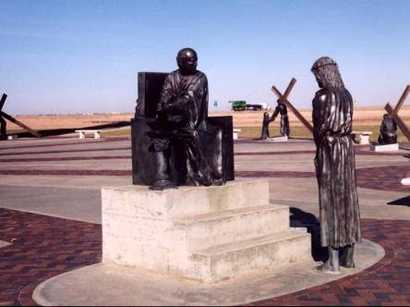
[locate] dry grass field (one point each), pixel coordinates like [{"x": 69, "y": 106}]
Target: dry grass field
[{"x": 365, "y": 118}]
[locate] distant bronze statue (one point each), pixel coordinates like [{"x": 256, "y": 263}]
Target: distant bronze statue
[
  {"x": 284, "y": 121},
  {"x": 265, "y": 126},
  {"x": 335, "y": 166},
  {"x": 3, "y": 128},
  {"x": 3, "y": 124},
  {"x": 388, "y": 129},
  {"x": 181, "y": 117}
]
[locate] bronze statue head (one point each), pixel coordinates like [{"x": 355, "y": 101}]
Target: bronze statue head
[
  {"x": 187, "y": 60},
  {"x": 327, "y": 73}
]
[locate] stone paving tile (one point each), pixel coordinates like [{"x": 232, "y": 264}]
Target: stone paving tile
[{"x": 46, "y": 246}]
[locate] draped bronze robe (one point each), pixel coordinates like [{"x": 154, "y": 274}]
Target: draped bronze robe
[
  {"x": 335, "y": 168},
  {"x": 183, "y": 109}
]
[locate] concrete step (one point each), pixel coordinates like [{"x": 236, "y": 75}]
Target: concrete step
[
  {"x": 141, "y": 202},
  {"x": 258, "y": 255},
  {"x": 206, "y": 230}
]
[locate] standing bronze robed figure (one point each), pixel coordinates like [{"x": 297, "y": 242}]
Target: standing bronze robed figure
[{"x": 335, "y": 166}]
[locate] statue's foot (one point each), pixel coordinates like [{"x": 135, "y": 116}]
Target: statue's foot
[
  {"x": 206, "y": 182},
  {"x": 163, "y": 184},
  {"x": 346, "y": 259},
  {"x": 202, "y": 180},
  {"x": 218, "y": 182},
  {"x": 331, "y": 266},
  {"x": 328, "y": 268},
  {"x": 350, "y": 264}
]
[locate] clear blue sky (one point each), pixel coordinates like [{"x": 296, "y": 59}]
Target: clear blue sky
[{"x": 83, "y": 56}]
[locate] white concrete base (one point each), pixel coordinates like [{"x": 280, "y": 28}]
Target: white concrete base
[
  {"x": 114, "y": 285},
  {"x": 364, "y": 139},
  {"x": 4, "y": 244},
  {"x": 82, "y": 133},
  {"x": 405, "y": 181},
  {"x": 236, "y": 134},
  {"x": 385, "y": 148},
  {"x": 363, "y": 136},
  {"x": 278, "y": 139},
  {"x": 202, "y": 233}
]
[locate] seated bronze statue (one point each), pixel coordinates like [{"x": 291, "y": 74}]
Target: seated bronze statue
[
  {"x": 174, "y": 141},
  {"x": 388, "y": 129}
]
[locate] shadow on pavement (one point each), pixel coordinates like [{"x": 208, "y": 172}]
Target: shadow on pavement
[
  {"x": 300, "y": 218},
  {"x": 404, "y": 201}
]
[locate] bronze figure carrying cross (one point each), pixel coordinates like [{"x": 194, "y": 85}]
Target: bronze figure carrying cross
[
  {"x": 4, "y": 115},
  {"x": 3, "y": 134},
  {"x": 284, "y": 99},
  {"x": 395, "y": 112}
]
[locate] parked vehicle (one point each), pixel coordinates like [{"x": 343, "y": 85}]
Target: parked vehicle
[{"x": 241, "y": 105}]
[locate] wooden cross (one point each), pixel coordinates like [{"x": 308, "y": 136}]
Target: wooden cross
[
  {"x": 395, "y": 112},
  {"x": 284, "y": 99},
  {"x": 13, "y": 120}
]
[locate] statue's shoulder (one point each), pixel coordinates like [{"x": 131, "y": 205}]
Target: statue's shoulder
[
  {"x": 323, "y": 95},
  {"x": 201, "y": 75},
  {"x": 173, "y": 74},
  {"x": 172, "y": 77}
]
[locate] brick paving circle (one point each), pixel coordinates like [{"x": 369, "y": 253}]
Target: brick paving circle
[
  {"x": 44, "y": 247},
  {"x": 386, "y": 178},
  {"x": 385, "y": 283},
  {"x": 16, "y": 145}
]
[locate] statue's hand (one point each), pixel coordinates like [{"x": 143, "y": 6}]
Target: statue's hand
[{"x": 179, "y": 104}]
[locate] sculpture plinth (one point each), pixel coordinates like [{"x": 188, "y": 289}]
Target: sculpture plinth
[
  {"x": 385, "y": 148},
  {"x": 203, "y": 233}
]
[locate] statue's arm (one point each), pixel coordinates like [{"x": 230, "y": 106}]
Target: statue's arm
[
  {"x": 323, "y": 114},
  {"x": 275, "y": 114},
  {"x": 166, "y": 95}
]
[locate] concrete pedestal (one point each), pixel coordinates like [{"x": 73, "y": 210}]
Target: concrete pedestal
[
  {"x": 385, "y": 148},
  {"x": 232, "y": 246},
  {"x": 364, "y": 139},
  {"x": 405, "y": 181},
  {"x": 278, "y": 139},
  {"x": 202, "y": 233},
  {"x": 362, "y": 136},
  {"x": 116, "y": 285}
]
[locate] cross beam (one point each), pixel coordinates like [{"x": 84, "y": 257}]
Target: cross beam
[
  {"x": 395, "y": 112},
  {"x": 13, "y": 120},
  {"x": 2, "y": 101},
  {"x": 283, "y": 98}
]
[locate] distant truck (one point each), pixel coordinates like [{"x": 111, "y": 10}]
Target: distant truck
[{"x": 241, "y": 105}]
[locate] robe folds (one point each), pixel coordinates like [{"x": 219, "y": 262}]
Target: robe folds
[
  {"x": 335, "y": 168},
  {"x": 182, "y": 112},
  {"x": 185, "y": 100}
]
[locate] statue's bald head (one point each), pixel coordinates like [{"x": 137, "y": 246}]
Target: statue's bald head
[{"x": 187, "y": 60}]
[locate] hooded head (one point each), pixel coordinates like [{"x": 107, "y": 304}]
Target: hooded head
[
  {"x": 327, "y": 73},
  {"x": 187, "y": 60}
]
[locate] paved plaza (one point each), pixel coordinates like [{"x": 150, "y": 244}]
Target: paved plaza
[{"x": 50, "y": 211}]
